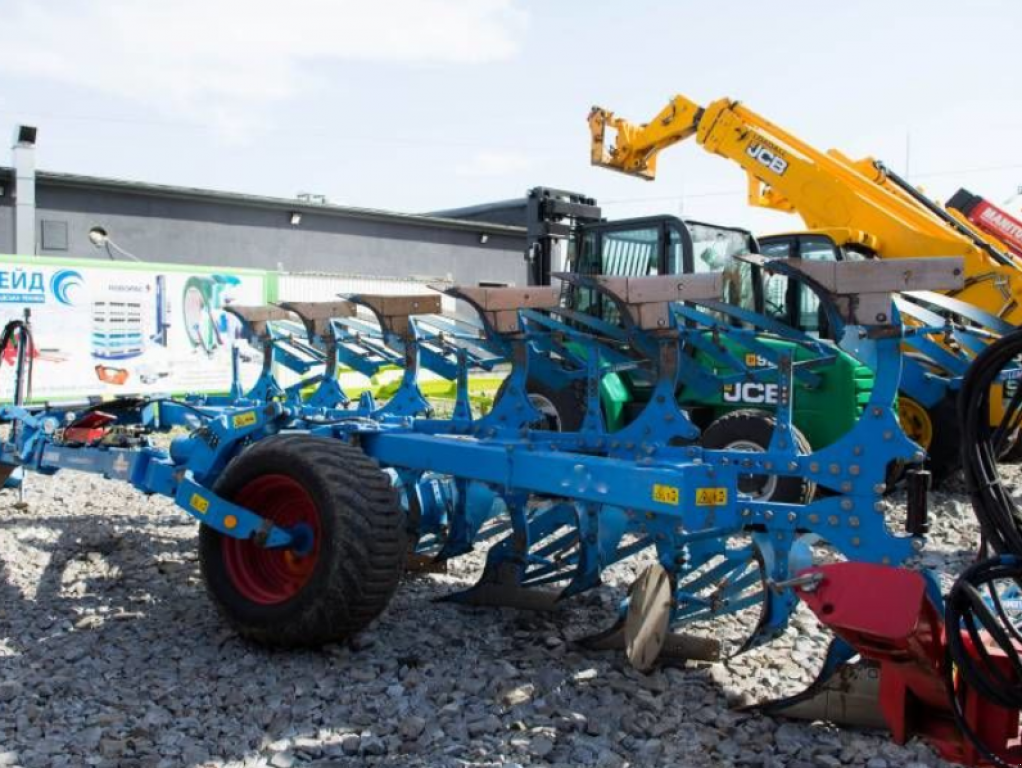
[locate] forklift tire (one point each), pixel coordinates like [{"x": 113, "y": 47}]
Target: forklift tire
[
  {"x": 750, "y": 430},
  {"x": 563, "y": 409},
  {"x": 280, "y": 598},
  {"x": 936, "y": 431}
]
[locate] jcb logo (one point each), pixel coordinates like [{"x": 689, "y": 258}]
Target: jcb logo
[
  {"x": 770, "y": 158},
  {"x": 751, "y": 392}
]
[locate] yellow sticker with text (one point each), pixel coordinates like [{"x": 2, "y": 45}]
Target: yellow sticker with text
[
  {"x": 711, "y": 497},
  {"x": 666, "y": 494},
  {"x": 246, "y": 419},
  {"x": 199, "y": 503}
]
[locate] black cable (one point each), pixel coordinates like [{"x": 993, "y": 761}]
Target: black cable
[
  {"x": 187, "y": 406},
  {"x": 966, "y": 612},
  {"x": 21, "y": 327},
  {"x": 977, "y": 623},
  {"x": 999, "y": 517}
]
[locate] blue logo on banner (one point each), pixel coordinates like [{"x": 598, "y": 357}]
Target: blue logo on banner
[
  {"x": 20, "y": 287},
  {"x": 63, "y": 283}
]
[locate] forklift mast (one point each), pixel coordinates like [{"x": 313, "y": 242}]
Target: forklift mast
[{"x": 551, "y": 217}]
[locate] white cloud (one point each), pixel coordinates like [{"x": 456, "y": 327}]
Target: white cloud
[
  {"x": 485, "y": 163},
  {"x": 227, "y": 59}
]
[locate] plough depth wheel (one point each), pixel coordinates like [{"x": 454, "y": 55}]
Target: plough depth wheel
[{"x": 351, "y": 559}]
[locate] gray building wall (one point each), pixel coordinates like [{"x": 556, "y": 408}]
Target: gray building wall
[
  {"x": 6, "y": 217},
  {"x": 176, "y": 225}
]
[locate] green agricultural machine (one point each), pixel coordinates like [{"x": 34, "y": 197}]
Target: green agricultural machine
[{"x": 731, "y": 402}]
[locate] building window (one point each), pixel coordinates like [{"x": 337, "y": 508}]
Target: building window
[{"x": 54, "y": 235}]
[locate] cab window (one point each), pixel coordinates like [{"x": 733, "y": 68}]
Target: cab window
[
  {"x": 620, "y": 253},
  {"x": 675, "y": 251},
  {"x": 776, "y": 287},
  {"x": 813, "y": 249},
  {"x": 584, "y": 300},
  {"x": 631, "y": 252},
  {"x": 714, "y": 250}
]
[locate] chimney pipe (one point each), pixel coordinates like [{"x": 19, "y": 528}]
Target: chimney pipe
[{"x": 23, "y": 153}]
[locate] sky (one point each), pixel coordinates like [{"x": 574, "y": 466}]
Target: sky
[{"x": 421, "y": 105}]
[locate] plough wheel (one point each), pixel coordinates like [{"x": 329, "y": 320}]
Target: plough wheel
[{"x": 340, "y": 583}]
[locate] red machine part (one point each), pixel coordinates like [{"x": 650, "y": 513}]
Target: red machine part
[
  {"x": 888, "y": 616},
  {"x": 988, "y": 217},
  {"x": 89, "y": 429}
]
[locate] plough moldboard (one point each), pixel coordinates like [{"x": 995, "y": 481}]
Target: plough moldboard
[{"x": 310, "y": 507}]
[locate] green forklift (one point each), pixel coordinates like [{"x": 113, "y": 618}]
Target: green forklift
[{"x": 736, "y": 416}]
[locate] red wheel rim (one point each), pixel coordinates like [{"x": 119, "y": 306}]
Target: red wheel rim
[{"x": 270, "y": 576}]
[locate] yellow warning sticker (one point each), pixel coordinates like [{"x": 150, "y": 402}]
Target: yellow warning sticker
[
  {"x": 711, "y": 497},
  {"x": 199, "y": 503},
  {"x": 756, "y": 361},
  {"x": 246, "y": 419},
  {"x": 666, "y": 494}
]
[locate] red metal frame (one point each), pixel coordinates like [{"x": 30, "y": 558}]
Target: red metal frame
[
  {"x": 889, "y": 617},
  {"x": 89, "y": 429}
]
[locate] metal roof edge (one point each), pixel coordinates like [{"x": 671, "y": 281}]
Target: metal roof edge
[{"x": 72, "y": 180}]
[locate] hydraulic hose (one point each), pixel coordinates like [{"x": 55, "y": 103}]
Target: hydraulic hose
[
  {"x": 975, "y": 615},
  {"x": 23, "y": 358},
  {"x": 999, "y": 517}
]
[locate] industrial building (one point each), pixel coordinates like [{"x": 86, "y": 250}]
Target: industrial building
[{"x": 47, "y": 213}]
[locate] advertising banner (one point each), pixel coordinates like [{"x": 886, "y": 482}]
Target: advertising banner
[{"x": 104, "y": 329}]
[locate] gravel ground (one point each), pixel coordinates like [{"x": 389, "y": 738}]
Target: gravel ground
[{"x": 112, "y": 655}]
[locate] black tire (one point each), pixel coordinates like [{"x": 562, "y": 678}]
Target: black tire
[
  {"x": 563, "y": 409},
  {"x": 944, "y": 455},
  {"x": 361, "y": 550},
  {"x": 752, "y": 426},
  {"x": 946, "y": 449}
]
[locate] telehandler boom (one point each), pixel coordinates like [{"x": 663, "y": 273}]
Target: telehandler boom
[{"x": 860, "y": 204}]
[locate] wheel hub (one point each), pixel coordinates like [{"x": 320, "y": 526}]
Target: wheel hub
[
  {"x": 915, "y": 421},
  {"x": 271, "y": 576},
  {"x": 551, "y": 418},
  {"x": 757, "y": 486}
]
